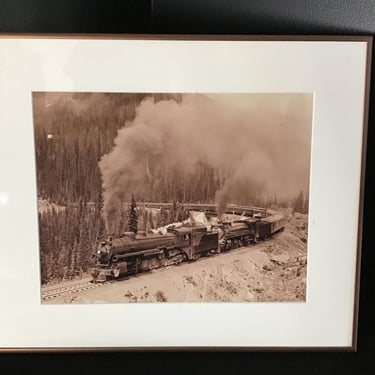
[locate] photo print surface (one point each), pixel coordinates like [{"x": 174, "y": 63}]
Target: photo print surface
[{"x": 172, "y": 197}]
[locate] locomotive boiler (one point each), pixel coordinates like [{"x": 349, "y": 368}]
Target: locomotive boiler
[{"x": 235, "y": 234}]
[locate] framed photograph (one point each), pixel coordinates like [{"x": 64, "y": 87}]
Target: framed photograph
[{"x": 181, "y": 193}]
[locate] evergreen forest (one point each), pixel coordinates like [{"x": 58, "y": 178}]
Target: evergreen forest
[{"x": 72, "y": 132}]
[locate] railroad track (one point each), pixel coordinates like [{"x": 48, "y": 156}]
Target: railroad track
[{"x": 68, "y": 289}]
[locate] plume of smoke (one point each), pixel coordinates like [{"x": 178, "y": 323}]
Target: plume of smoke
[{"x": 263, "y": 145}]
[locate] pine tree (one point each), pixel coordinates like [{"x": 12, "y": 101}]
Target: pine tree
[
  {"x": 299, "y": 202},
  {"x": 145, "y": 219},
  {"x": 163, "y": 220},
  {"x": 151, "y": 220},
  {"x": 174, "y": 213},
  {"x": 133, "y": 217},
  {"x": 306, "y": 205}
]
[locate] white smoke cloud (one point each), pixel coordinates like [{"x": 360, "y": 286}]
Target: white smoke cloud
[{"x": 262, "y": 147}]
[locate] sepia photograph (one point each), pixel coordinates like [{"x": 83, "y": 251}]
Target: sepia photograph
[{"x": 172, "y": 197}]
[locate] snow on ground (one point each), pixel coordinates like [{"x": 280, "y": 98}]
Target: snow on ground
[
  {"x": 273, "y": 270},
  {"x": 44, "y": 205}
]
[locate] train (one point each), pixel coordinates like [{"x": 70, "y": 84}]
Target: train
[{"x": 132, "y": 253}]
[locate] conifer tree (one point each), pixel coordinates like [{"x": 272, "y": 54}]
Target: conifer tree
[
  {"x": 298, "y": 204},
  {"x": 151, "y": 220},
  {"x": 306, "y": 205},
  {"x": 133, "y": 217}
]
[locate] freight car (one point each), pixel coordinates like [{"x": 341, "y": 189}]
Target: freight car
[
  {"x": 268, "y": 226},
  {"x": 130, "y": 253}
]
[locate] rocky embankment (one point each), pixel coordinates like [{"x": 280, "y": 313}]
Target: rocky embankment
[{"x": 269, "y": 271}]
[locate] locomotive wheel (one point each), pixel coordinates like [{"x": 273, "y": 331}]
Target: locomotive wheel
[
  {"x": 94, "y": 274},
  {"x": 101, "y": 278},
  {"x": 184, "y": 257},
  {"x": 116, "y": 273}
]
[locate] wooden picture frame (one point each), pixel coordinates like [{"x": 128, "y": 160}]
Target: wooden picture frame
[{"x": 334, "y": 70}]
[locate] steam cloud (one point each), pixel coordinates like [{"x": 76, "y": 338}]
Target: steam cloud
[{"x": 261, "y": 141}]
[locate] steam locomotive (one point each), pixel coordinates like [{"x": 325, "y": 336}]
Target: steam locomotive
[{"x": 133, "y": 253}]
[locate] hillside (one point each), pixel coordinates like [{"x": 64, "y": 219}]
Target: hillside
[{"x": 274, "y": 270}]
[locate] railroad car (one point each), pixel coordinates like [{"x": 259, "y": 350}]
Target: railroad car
[{"x": 268, "y": 226}]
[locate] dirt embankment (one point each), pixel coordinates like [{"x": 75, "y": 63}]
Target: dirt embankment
[{"x": 272, "y": 271}]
